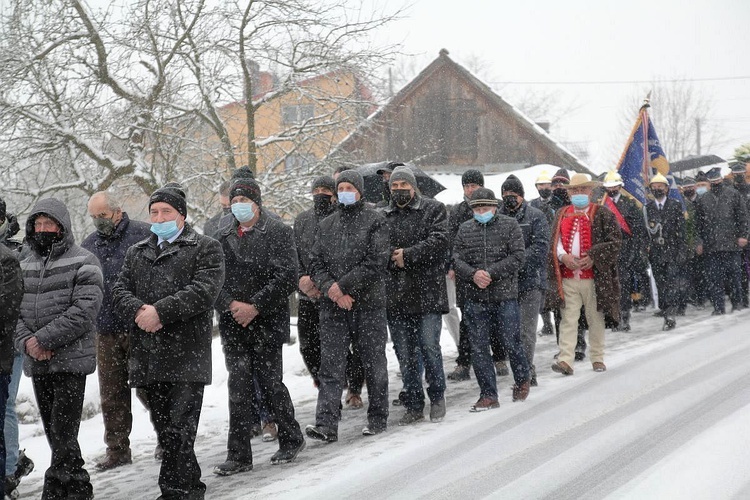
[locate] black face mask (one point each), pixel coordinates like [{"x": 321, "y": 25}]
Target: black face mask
[
  {"x": 322, "y": 203},
  {"x": 545, "y": 193},
  {"x": 658, "y": 193},
  {"x": 613, "y": 193},
  {"x": 104, "y": 226},
  {"x": 45, "y": 240},
  {"x": 510, "y": 202},
  {"x": 716, "y": 188},
  {"x": 401, "y": 197},
  {"x": 739, "y": 179},
  {"x": 689, "y": 193}
]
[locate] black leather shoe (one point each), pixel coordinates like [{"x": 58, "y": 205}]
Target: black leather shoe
[
  {"x": 322, "y": 433},
  {"x": 231, "y": 467},
  {"x": 288, "y": 454}
]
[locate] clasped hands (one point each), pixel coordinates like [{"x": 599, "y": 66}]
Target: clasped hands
[
  {"x": 147, "y": 319},
  {"x": 36, "y": 351},
  {"x": 575, "y": 263},
  {"x": 341, "y": 300}
]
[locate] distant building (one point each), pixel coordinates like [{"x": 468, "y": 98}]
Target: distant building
[{"x": 447, "y": 120}]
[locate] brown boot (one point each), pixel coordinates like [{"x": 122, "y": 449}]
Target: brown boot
[
  {"x": 521, "y": 391},
  {"x": 113, "y": 460},
  {"x": 562, "y": 367}
]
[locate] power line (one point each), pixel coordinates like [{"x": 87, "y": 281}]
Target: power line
[{"x": 623, "y": 82}]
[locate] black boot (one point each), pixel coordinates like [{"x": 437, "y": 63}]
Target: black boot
[
  {"x": 669, "y": 322},
  {"x": 624, "y": 325}
]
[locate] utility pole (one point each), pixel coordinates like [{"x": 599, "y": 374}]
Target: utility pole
[{"x": 698, "y": 135}]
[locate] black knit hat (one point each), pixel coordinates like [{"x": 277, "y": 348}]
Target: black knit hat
[
  {"x": 246, "y": 187},
  {"x": 483, "y": 197},
  {"x": 324, "y": 181},
  {"x": 701, "y": 177},
  {"x": 352, "y": 177},
  {"x": 514, "y": 185},
  {"x": 561, "y": 175},
  {"x": 472, "y": 176},
  {"x": 171, "y": 194},
  {"x": 243, "y": 172}
]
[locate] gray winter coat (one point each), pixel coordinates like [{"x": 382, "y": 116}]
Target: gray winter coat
[
  {"x": 720, "y": 219},
  {"x": 63, "y": 295}
]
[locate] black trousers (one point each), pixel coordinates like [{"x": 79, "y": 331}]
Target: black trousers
[
  {"x": 464, "y": 344},
  {"x": 666, "y": 278},
  {"x": 308, "y": 330},
  {"x": 175, "y": 412},
  {"x": 60, "y": 400},
  {"x": 367, "y": 331},
  {"x": 264, "y": 362}
]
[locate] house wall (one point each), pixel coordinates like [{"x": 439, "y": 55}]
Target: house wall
[{"x": 447, "y": 120}]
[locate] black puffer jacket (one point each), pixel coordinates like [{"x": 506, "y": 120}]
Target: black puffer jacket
[
  {"x": 351, "y": 249},
  {"x": 261, "y": 269},
  {"x": 111, "y": 254},
  {"x": 11, "y": 293},
  {"x": 720, "y": 219},
  {"x": 536, "y": 235},
  {"x": 421, "y": 229},
  {"x": 496, "y": 247},
  {"x": 182, "y": 283},
  {"x": 62, "y": 299}
]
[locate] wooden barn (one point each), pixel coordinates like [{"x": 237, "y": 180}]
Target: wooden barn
[{"x": 446, "y": 120}]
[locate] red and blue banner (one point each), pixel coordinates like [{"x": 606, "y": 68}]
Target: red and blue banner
[{"x": 642, "y": 159}]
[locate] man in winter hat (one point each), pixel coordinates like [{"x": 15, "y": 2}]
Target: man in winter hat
[
  {"x": 166, "y": 291},
  {"x": 471, "y": 180}
]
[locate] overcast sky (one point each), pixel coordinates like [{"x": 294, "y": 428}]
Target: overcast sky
[{"x": 595, "y": 41}]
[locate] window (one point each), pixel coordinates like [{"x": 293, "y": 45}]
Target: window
[{"x": 295, "y": 114}]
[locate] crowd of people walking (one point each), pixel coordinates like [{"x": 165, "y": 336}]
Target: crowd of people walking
[{"x": 138, "y": 302}]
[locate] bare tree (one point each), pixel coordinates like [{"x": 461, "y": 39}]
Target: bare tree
[
  {"x": 135, "y": 96},
  {"x": 681, "y": 112}
]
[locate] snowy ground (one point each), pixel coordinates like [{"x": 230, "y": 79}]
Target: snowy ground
[{"x": 667, "y": 420}]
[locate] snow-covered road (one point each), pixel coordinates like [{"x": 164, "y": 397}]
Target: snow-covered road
[{"x": 667, "y": 420}]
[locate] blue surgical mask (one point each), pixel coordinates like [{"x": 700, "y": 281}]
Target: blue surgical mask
[
  {"x": 483, "y": 218},
  {"x": 347, "y": 197},
  {"x": 243, "y": 212},
  {"x": 580, "y": 200},
  {"x": 165, "y": 230},
  {"x": 701, "y": 190}
]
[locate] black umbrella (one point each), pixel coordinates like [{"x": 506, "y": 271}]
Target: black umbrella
[
  {"x": 693, "y": 162},
  {"x": 371, "y": 172}
]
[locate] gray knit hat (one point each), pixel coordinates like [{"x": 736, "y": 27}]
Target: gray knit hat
[
  {"x": 403, "y": 173},
  {"x": 324, "y": 181},
  {"x": 352, "y": 177}
]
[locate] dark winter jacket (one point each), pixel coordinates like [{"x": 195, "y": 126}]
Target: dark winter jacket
[
  {"x": 666, "y": 228},
  {"x": 261, "y": 269},
  {"x": 496, "y": 247},
  {"x": 633, "y": 245},
  {"x": 351, "y": 249},
  {"x": 421, "y": 229},
  {"x": 63, "y": 294},
  {"x": 11, "y": 293},
  {"x": 720, "y": 219},
  {"x": 182, "y": 283},
  {"x": 211, "y": 227},
  {"x": 111, "y": 254},
  {"x": 544, "y": 206},
  {"x": 536, "y": 234},
  {"x": 305, "y": 228},
  {"x": 458, "y": 215},
  {"x": 605, "y": 249}
]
